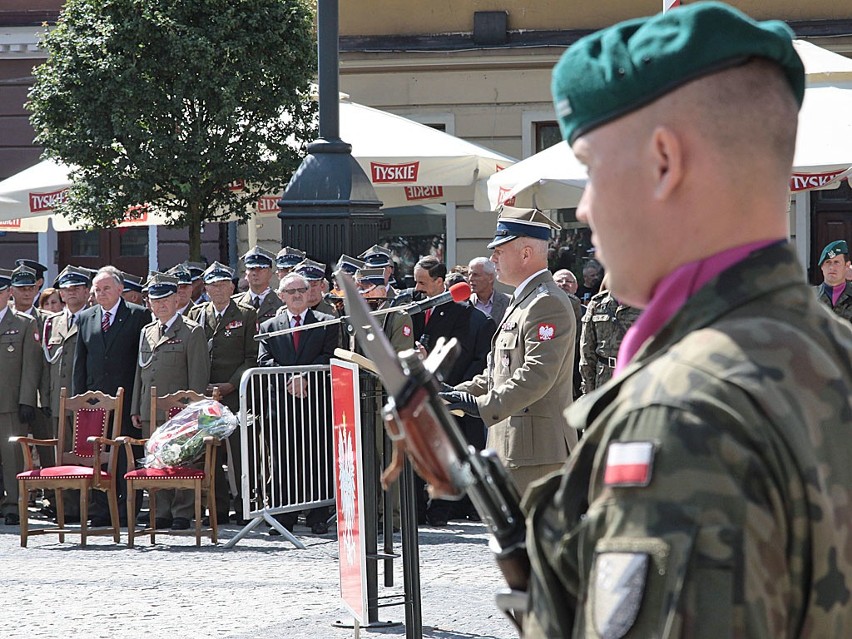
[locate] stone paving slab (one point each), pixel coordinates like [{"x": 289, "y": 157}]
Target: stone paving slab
[{"x": 262, "y": 587}]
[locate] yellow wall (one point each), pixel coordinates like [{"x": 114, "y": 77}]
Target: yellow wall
[{"x": 426, "y": 17}]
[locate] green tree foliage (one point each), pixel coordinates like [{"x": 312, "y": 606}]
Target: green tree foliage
[{"x": 167, "y": 102}]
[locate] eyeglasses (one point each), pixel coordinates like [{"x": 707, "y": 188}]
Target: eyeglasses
[{"x": 294, "y": 291}]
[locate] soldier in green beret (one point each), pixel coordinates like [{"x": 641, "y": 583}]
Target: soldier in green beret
[
  {"x": 835, "y": 291},
  {"x": 709, "y": 495}
]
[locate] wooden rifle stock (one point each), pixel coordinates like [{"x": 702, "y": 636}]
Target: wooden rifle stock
[{"x": 420, "y": 426}]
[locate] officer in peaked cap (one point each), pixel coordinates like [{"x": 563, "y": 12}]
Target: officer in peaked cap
[
  {"x": 229, "y": 328},
  {"x": 59, "y": 342},
  {"x": 513, "y": 223},
  {"x": 184, "y": 290},
  {"x": 314, "y": 272},
  {"x": 132, "y": 291},
  {"x": 73, "y": 276},
  {"x": 537, "y": 335},
  {"x": 349, "y": 265},
  {"x": 20, "y": 370},
  {"x": 39, "y": 269},
  {"x": 702, "y": 500},
  {"x": 172, "y": 357},
  {"x": 379, "y": 257},
  {"x": 196, "y": 269},
  {"x": 835, "y": 292},
  {"x": 286, "y": 259},
  {"x": 260, "y": 296}
]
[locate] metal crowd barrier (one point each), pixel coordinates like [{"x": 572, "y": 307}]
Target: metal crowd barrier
[{"x": 287, "y": 449}]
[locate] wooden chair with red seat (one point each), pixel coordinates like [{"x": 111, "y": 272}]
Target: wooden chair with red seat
[
  {"x": 95, "y": 423},
  {"x": 200, "y": 480}
]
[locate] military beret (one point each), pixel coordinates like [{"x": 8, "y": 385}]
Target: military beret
[
  {"x": 5, "y": 279},
  {"x": 160, "y": 285},
  {"x": 132, "y": 282},
  {"x": 833, "y": 249},
  {"x": 38, "y": 268},
  {"x": 24, "y": 276},
  {"x": 196, "y": 269},
  {"x": 218, "y": 272},
  {"x": 371, "y": 276},
  {"x": 310, "y": 270},
  {"x": 348, "y": 265},
  {"x": 73, "y": 276},
  {"x": 377, "y": 256},
  {"x": 288, "y": 257},
  {"x": 513, "y": 223},
  {"x": 258, "y": 258},
  {"x": 181, "y": 272},
  {"x": 616, "y": 70}
]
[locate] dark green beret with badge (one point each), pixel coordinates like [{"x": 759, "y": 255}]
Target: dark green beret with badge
[
  {"x": 625, "y": 67},
  {"x": 833, "y": 249}
]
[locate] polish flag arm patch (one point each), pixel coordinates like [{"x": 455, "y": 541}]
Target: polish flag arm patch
[
  {"x": 406, "y": 330},
  {"x": 629, "y": 463},
  {"x": 546, "y": 332}
]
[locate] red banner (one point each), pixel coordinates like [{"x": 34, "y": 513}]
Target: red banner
[
  {"x": 394, "y": 173},
  {"x": 810, "y": 181},
  {"x": 349, "y": 485},
  {"x": 41, "y": 202}
]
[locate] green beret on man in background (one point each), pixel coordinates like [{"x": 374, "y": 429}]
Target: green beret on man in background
[{"x": 835, "y": 290}]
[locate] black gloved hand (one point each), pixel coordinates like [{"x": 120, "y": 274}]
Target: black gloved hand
[
  {"x": 46, "y": 411},
  {"x": 460, "y": 400},
  {"x": 26, "y": 414}
]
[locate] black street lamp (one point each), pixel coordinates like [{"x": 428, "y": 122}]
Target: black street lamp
[{"x": 330, "y": 206}]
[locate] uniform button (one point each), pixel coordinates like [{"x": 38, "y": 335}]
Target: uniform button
[{"x": 526, "y": 410}]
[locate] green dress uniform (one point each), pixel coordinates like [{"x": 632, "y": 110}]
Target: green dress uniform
[
  {"x": 604, "y": 325},
  {"x": 232, "y": 350},
  {"x": 523, "y": 394},
  {"x": 267, "y": 308},
  {"x": 710, "y": 495},
  {"x": 59, "y": 343},
  {"x": 20, "y": 370},
  {"x": 172, "y": 361},
  {"x": 843, "y": 308}
]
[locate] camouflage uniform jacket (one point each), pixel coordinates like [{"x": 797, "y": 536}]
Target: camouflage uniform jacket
[
  {"x": 735, "y": 519},
  {"x": 844, "y": 304},
  {"x": 604, "y": 325}
]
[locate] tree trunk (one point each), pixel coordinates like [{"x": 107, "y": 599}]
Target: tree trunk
[{"x": 194, "y": 229}]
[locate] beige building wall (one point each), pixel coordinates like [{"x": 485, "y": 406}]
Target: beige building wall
[
  {"x": 494, "y": 96},
  {"x": 379, "y": 17}
]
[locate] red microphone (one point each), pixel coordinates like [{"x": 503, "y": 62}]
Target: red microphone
[{"x": 458, "y": 293}]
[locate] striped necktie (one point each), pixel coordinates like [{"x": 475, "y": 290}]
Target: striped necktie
[{"x": 105, "y": 322}]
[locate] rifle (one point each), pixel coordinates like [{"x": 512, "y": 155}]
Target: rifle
[{"x": 419, "y": 425}]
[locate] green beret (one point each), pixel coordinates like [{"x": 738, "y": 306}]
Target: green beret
[
  {"x": 612, "y": 72},
  {"x": 833, "y": 249}
]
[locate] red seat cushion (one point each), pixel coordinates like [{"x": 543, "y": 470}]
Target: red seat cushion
[
  {"x": 174, "y": 472},
  {"x": 62, "y": 472}
]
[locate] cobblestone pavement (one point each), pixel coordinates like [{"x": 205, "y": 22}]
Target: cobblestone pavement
[{"x": 262, "y": 587}]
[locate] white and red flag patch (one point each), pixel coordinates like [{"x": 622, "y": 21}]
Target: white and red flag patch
[
  {"x": 406, "y": 330},
  {"x": 546, "y": 332},
  {"x": 629, "y": 463}
]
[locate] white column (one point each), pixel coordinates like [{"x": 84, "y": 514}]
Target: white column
[
  {"x": 48, "y": 253},
  {"x": 153, "y": 257},
  {"x": 802, "y": 226},
  {"x": 452, "y": 235}
]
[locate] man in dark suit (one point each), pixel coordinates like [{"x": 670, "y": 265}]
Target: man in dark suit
[
  {"x": 450, "y": 320},
  {"x": 105, "y": 359},
  {"x": 314, "y": 346}
]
